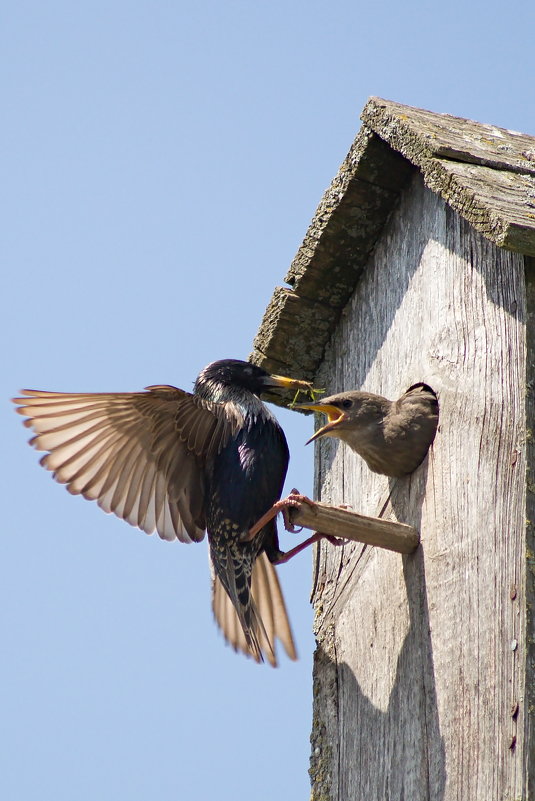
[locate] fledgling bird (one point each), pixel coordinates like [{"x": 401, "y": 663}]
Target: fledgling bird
[
  {"x": 392, "y": 437},
  {"x": 183, "y": 463}
]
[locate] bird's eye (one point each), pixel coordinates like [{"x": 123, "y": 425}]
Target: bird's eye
[{"x": 347, "y": 403}]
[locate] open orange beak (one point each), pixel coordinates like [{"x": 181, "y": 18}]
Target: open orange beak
[{"x": 335, "y": 417}]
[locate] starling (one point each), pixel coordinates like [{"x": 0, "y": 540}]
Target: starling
[
  {"x": 392, "y": 437},
  {"x": 183, "y": 463}
]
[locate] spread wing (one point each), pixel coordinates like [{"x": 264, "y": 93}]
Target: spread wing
[
  {"x": 270, "y": 607},
  {"x": 140, "y": 455}
]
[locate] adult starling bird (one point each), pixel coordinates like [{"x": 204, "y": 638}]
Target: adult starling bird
[
  {"x": 180, "y": 463},
  {"x": 392, "y": 437}
]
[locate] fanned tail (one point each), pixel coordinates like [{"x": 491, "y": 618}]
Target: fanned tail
[
  {"x": 270, "y": 609},
  {"x": 235, "y": 574}
]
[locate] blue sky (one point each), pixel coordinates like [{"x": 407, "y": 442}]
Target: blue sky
[{"x": 161, "y": 163}]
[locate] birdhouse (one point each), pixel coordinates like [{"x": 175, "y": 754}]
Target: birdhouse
[{"x": 419, "y": 267}]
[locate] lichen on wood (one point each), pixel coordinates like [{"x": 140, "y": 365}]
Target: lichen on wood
[{"x": 485, "y": 173}]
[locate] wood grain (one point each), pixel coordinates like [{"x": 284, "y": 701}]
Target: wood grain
[
  {"x": 455, "y": 138},
  {"x": 529, "y": 603},
  {"x": 485, "y": 173},
  {"x": 354, "y": 527},
  {"x": 427, "y": 655}
]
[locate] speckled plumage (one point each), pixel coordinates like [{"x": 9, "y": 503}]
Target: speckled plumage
[
  {"x": 183, "y": 463},
  {"x": 245, "y": 481}
]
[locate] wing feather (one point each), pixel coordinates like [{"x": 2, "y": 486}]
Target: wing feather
[{"x": 140, "y": 455}]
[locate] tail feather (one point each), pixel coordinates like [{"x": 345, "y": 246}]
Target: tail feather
[
  {"x": 255, "y": 632},
  {"x": 254, "y": 627}
]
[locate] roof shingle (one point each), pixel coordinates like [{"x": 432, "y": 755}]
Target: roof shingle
[{"x": 485, "y": 173}]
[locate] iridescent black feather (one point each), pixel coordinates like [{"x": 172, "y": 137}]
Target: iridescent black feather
[
  {"x": 181, "y": 464},
  {"x": 244, "y": 481}
]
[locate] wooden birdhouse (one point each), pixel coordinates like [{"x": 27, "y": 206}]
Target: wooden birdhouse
[{"x": 419, "y": 267}]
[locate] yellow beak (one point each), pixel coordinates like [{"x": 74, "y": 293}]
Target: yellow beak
[{"x": 288, "y": 383}]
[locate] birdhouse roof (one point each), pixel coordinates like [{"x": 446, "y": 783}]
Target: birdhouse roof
[{"x": 485, "y": 173}]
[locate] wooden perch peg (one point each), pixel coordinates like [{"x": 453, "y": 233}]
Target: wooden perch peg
[{"x": 338, "y": 522}]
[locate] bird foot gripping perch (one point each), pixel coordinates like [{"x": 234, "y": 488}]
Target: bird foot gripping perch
[
  {"x": 286, "y": 505},
  {"x": 342, "y": 524},
  {"x": 293, "y": 499},
  {"x": 169, "y": 461}
]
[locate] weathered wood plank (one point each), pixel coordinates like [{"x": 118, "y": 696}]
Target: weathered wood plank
[
  {"x": 500, "y": 205},
  {"x": 421, "y": 134},
  {"x": 291, "y": 339},
  {"x": 529, "y": 729},
  {"x": 485, "y": 173},
  {"x": 488, "y": 175},
  {"x": 427, "y": 655},
  {"x": 299, "y": 321},
  {"x": 348, "y": 220},
  {"x": 355, "y": 527}
]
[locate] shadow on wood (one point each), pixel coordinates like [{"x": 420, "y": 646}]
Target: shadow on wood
[{"x": 365, "y": 750}]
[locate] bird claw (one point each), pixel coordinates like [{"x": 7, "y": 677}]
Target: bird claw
[
  {"x": 288, "y": 525},
  {"x": 284, "y": 505},
  {"x": 293, "y": 499},
  {"x": 295, "y": 496}
]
